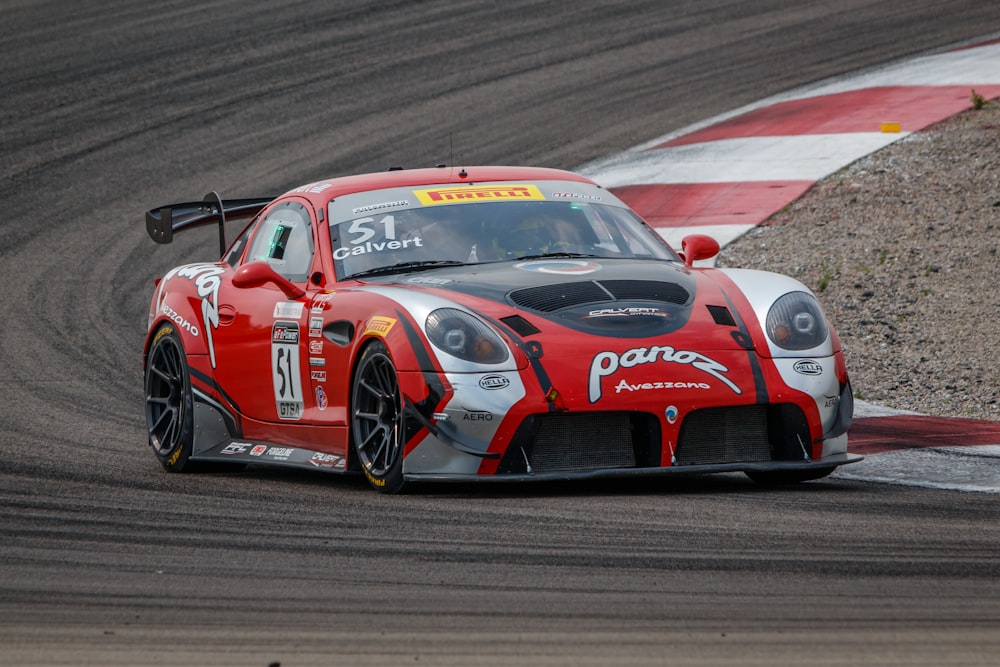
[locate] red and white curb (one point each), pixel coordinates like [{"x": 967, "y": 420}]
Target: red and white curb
[
  {"x": 919, "y": 450},
  {"x": 728, "y": 174}
]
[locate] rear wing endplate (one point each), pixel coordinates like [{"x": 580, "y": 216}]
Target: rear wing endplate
[{"x": 163, "y": 222}]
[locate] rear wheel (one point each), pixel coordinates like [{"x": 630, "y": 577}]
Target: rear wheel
[
  {"x": 169, "y": 402},
  {"x": 378, "y": 420},
  {"x": 779, "y": 477}
]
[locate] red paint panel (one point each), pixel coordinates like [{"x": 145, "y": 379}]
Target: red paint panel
[
  {"x": 883, "y": 434},
  {"x": 913, "y": 107},
  {"x": 690, "y": 204}
]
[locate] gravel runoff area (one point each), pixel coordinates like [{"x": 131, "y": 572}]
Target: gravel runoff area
[{"x": 901, "y": 249}]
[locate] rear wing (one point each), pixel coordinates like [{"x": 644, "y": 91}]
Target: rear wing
[{"x": 162, "y": 222}]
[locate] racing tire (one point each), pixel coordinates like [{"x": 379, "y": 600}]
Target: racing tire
[
  {"x": 378, "y": 423},
  {"x": 169, "y": 402},
  {"x": 782, "y": 477}
]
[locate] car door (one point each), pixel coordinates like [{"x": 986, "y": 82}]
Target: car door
[{"x": 261, "y": 341}]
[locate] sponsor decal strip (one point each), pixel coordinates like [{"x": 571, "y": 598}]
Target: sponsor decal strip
[
  {"x": 286, "y": 371},
  {"x": 472, "y": 194},
  {"x": 376, "y": 246},
  {"x": 261, "y": 452},
  {"x": 607, "y": 363},
  {"x": 207, "y": 279},
  {"x": 624, "y": 385},
  {"x": 379, "y": 326},
  {"x": 179, "y": 320}
]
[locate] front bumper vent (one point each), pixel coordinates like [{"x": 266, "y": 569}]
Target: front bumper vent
[
  {"x": 590, "y": 441},
  {"x": 743, "y": 434},
  {"x": 583, "y": 442}
]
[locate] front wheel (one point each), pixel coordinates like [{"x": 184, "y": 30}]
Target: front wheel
[
  {"x": 169, "y": 402},
  {"x": 780, "y": 477},
  {"x": 378, "y": 421}
]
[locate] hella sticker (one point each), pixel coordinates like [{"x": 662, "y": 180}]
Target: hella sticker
[
  {"x": 808, "y": 367},
  {"x": 494, "y": 382}
]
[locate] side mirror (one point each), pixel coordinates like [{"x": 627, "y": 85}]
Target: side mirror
[
  {"x": 256, "y": 274},
  {"x": 698, "y": 246}
]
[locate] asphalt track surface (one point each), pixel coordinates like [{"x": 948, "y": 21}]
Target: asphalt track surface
[{"x": 114, "y": 107}]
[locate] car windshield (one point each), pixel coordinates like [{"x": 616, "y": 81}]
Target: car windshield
[{"x": 395, "y": 233}]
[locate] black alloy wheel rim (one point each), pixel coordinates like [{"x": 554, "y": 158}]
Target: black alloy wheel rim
[
  {"x": 378, "y": 415},
  {"x": 165, "y": 396}
]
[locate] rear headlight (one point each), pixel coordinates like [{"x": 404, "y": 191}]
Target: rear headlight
[
  {"x": 465, "y": 336},
  {"x": 796, "y": 322}
]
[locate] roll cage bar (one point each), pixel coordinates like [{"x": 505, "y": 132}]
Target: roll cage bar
[{"x": 162, "y": 222}]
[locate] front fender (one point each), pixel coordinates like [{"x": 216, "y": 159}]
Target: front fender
[
  {"x": 761, "y": 289},
  {"x": 418, "y": 305}
]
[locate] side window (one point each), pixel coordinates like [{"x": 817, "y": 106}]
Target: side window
[
  {"x": 284, "y": 240},
  {"x": 236, "y": 249}
]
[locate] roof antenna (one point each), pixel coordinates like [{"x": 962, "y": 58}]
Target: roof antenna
[{"x": 451, "y": 149}]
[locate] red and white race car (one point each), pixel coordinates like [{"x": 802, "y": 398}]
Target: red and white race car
[{"x": 482, "y": 323}]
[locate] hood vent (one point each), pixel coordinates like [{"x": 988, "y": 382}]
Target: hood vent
[
  {"x": 722, "y": 316},
  {"x": 521, "y": 326},
  {"x": 551, "y": 298},
  {"x": 646, "y": 290}
]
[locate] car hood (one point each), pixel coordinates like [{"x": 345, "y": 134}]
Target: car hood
[{"x": 605, "y": 298}]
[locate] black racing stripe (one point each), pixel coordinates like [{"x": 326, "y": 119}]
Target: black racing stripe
[
  {"x": 536, "y": 365},
  {"x": 423, "y": 410},
  {"x": 435, "y": 386},
  {"x": 760, "y": 387},
  {"x": 446, "y": 438},
  {"x": 234, "y": 415},
  {"x": 210, "y": 382}
]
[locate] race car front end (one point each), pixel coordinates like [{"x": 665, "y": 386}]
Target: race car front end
[{"x": 656, "y": 380}]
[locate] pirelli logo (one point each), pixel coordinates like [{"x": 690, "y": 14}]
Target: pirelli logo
[
  {"x": 470, "y": 194},
  {"x": 379, "y": 326}
]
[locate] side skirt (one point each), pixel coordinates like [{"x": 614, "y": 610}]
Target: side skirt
[{"x": 255, "y": 452}]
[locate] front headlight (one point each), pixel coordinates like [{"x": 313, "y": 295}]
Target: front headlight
[
  {"x": 796, "y": 322},
  {"x": 464, "y": 336}
]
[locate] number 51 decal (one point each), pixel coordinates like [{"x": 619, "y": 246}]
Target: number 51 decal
[
  {"x": 285, "y": 370},
  {"x": 366, "y": 233}
]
